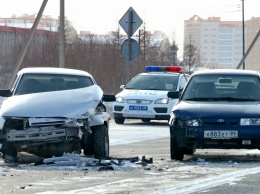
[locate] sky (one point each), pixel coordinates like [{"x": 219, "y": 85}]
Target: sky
[{"x": 102, "y": 16}]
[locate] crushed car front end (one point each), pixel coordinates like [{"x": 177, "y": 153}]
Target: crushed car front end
[
  {"x": 217, "y": 125},
  {"x": 55, "y": 119}
]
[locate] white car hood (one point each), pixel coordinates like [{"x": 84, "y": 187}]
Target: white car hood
[
  {"x": 143, "y": 94},
  {"x": 66, "y": 103}
]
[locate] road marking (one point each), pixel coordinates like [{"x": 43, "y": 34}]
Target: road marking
[{"x": 202, "y": 184}]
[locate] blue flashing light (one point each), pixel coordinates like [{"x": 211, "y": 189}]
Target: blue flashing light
[
  {"x": 164, "y": 68},
  {"x": 152, "y": 68}
]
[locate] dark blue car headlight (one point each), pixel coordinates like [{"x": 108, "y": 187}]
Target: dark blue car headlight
[
  {"x": 187, "y": 123},
  {"x": 249, "y": 121},
  {"x": 193, "y": 123},
  {"x": 172, "y": 119}
]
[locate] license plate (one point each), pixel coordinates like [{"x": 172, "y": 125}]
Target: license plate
[
  {"x": 143, "y": 108},
  {"x": 220, "y": 134}
]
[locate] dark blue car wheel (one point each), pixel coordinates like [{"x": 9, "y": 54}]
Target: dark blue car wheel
[{"x": 177, "y": 153}]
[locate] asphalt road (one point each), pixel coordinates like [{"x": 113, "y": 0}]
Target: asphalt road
[
  {"x": 248, "y": 184},
  {"x": 207, "y": 171}
]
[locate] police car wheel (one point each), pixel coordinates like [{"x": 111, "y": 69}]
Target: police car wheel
[
  {"x": 146, "y": 120},
  {"x": 177, "y": 153},
  {"x": 119, "y": 120}
]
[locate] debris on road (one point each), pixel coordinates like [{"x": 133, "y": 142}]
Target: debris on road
[
  {"x": 200, "y": 160},
  {"x": 106, "y": 164}
]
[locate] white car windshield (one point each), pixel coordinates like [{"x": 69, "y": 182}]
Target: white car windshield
[
  {"x": 34, "y": 83},
  {"x": 153, "y": 82},
  {"x": 219, "y": 87}
]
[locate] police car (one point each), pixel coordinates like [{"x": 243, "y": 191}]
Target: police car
[{"x": 145, "y": 96}]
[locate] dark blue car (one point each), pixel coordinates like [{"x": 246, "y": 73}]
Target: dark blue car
[{"x": 216, "y": 109}]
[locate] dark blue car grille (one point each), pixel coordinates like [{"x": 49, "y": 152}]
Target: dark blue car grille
[{"x": 220, "y": 122}]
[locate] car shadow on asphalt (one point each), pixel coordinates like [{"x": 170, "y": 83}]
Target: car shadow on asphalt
[
  {"x": 224, "y": 155},
  {"x": 139, "y": 122}
]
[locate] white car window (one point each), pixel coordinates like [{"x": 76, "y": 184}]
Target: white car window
[{"x": 34, "y": 83}]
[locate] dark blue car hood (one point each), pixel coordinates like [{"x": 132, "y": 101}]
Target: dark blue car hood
[{"x": 216, "y": 109}]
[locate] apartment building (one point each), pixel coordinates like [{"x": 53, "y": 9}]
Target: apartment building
[
  {"x": 221, "y": 42},
  {"x": 26, "y": 21}
]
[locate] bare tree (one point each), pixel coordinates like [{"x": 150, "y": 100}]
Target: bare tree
[
  {"x": 174, "y": 51},
  {"x": 192, "y": 58},
  {"x": 71, "y": 35},
  {"x": 144, "y": 41},
  {"x": 99, "y": 55}
]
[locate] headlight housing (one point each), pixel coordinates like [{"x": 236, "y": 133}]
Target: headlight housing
[
  {"x": 172, "y": 119},
  {"x": 190, "y": 123},
  {"x": 98, "y": 110},
  {"x": 120, "y": 99},
  {"x": 249, "y": 121},
  {"x": 91, "y": 111},
  {"x": 162, "y": 101},
  {"x": 187, "y": 123}
]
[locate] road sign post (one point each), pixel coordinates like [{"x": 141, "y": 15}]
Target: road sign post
[
  {"x": 130, "y": 22},
  {"x": 129, "y": 45}
]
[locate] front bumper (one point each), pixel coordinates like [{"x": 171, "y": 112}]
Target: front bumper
[
  {"x": 43, "y": 134},
  {"x": 155, "y": 117},
  {"x": 139, "y": 111},
  {"x": 193, "y": 137}
]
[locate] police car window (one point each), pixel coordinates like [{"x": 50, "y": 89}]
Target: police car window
[
  {"x": 171, "y": 82},
  {"x": 152, "y": 82},
  {"x": 182, "y": 82}
]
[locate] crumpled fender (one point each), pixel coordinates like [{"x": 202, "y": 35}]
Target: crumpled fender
[
  {"x": 74, "y": 103},
  {"x": 98, "y": 119}
]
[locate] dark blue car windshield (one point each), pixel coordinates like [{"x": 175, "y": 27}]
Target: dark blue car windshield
[{"x": 219, "y": 87}]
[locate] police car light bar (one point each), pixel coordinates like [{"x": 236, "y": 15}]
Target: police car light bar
[{"x": 163, "y": 68}]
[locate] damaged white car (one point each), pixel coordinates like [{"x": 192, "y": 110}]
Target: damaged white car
[{"x": 52, "y": 111}]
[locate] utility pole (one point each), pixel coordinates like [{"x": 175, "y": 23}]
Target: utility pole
[
  {"x": 118, "y": 39},
  {"x": 27, "y": 44},
  {"x": 144, "y": 42},
  {"x": 190, "y": 54},
  {"x": 139, "y": 41},
  {"x": 62, "y": 34},
  {"x": 248, "y": 50},
  {"x": 243, "y": 34}
]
